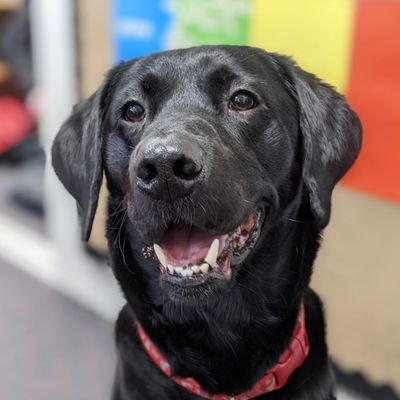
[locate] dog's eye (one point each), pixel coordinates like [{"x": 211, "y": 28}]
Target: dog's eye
[
  {"x": 242, "y": 101},
  {"x": 133, "y": 112}
]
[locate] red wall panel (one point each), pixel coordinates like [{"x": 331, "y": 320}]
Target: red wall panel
[{"x": 374, "y": 92}]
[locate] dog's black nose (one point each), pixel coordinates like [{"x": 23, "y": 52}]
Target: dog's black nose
[{"x": 168, "y": 169}]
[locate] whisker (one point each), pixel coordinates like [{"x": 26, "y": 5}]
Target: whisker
[
  {"x": 295, "y": 220},
  {"x": 122, "y": 248}
]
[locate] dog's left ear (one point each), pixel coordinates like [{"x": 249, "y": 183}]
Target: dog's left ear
[
  {"x": 76, "y": 158},
  {"x": 331, "y": 136}
]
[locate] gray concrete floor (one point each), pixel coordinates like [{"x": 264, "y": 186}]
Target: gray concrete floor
[{"x": 50, "y": 346}]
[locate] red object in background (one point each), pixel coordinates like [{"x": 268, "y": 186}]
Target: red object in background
[
  {"x": 16, "y": 123},
  {"x": 374, "y": 92}
]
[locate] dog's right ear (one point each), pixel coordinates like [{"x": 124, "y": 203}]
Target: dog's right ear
[
  {"x": 76, "y": 150},
  {"x": 76, "y": 157}
]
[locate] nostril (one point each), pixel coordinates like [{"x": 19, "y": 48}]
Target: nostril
[
  {"x": 186, "y": 168},
  {"x": 146, "y": 171}
]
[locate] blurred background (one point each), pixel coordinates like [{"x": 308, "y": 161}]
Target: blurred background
[{"x": 58, "y": 300}]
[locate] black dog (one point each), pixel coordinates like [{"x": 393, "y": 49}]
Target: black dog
[{"x": 220, "y": 163}]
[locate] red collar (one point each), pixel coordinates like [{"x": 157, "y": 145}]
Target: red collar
[{"x": 274, "y": 379}]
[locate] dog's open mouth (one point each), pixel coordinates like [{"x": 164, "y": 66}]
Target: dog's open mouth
[{"x": 189, "y": 255}]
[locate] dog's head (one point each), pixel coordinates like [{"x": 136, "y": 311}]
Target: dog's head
[{"x": 208, "y": 153}]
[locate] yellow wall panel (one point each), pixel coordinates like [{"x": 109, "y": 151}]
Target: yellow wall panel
[{"x": 316, "y": 33}]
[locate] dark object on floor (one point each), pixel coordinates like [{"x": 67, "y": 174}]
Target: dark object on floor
[
  {"x": 359, "y": 384},
  {"x": 24, "y": 151},
  {"x": 28, "y": 192},
  {"x": 220, "y": 163},
  {"x": 30, "y": 198}
]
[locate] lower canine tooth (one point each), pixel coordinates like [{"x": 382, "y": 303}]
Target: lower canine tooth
[
  {"x": 211, "y": 257},
  {"x": 195, "y": 269},
  {"x": 204, "y": 268},
  {"x": 170, "y": 269}
]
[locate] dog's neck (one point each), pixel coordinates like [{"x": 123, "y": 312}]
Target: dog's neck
[
  {"x": 223, "y": 358},
  {"x": 274, "y": 379}
]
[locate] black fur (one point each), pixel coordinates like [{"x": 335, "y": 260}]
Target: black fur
[{"x": 284, "y": 156}]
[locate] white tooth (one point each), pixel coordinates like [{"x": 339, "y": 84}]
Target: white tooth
[
  {"x": 170, "y": 269},
  {"x": 212, "y": 254},
  {"x": 160, "y": 255},
  {"x": 179, "y": 270},
  {"x": 195, "y": 269},
  {"x": 187, "y": 272},
  {"x": 204, "y": 268}
]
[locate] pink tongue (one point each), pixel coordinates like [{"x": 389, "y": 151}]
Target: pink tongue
[{"x": 183, "y": 245}]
